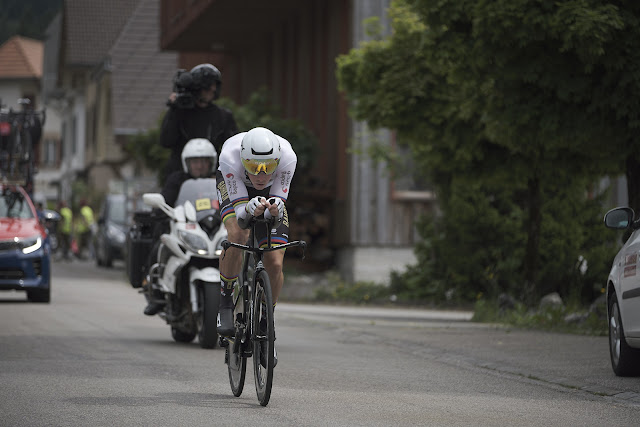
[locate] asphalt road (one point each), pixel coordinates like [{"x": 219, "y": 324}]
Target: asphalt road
[{"x": 91, "y": 358}]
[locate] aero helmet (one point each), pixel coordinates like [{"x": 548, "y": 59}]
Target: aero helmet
[
  {"x": 260, "y": 151},
  {"x": 204, "y": 75},
  {"x": 198, "y": 147}
]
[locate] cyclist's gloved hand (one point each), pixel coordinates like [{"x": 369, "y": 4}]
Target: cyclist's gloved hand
[
  {"x": 256, "y": 206},
  {"x": 276, "y": 208}
]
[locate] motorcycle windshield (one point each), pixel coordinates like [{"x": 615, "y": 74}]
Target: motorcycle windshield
[{"x": 202, "y": 193}]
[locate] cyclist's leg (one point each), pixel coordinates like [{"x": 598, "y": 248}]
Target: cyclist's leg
[
  {"x": 230, "y": 262},
  {"x": 274, "y": 260}
]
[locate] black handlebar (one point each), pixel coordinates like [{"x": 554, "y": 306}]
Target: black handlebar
[{"x": 227, "y": 244}]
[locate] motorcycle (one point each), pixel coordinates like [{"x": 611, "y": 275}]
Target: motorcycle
[
  {"x": 186, "y": 272},
  {"x": 50, "y": 220}
]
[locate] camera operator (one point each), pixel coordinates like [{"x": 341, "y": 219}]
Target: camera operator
[{"x": 192, "y": 113}]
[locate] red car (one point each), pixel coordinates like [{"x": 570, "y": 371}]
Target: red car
[{"x": 25, "y": 254}]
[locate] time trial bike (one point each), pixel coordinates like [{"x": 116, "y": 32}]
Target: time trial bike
[{"x": 253, "y": 314}]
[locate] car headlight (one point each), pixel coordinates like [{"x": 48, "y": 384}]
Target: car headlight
[
  {"x": 195, "y": 243},
  {"x": 30, "y": 245},
  {"x": 116, "y": 234}
]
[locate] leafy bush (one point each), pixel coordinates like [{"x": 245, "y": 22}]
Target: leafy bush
[
  {"x": 260, "y": 110},
  {"x": 477, "y": 247},
  {"x": 549, "y": 318},
  {"x": 358, "y": 293},
  {"x": 145, "y": 148}
]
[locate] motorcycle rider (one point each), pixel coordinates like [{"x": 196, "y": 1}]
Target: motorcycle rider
[
  {"x": 254, "y": 166},
  {"x": 198, "y": 161},
  {"x": 199, "y": 119}
]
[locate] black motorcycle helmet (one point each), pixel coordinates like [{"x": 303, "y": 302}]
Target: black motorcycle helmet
[{"x": 204, "y": 75}]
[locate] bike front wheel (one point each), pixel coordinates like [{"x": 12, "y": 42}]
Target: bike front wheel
[
  {"x": 236, "y": 359},
  {"x": 264, "y": 337}
]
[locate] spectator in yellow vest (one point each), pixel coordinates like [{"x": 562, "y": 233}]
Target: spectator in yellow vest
[
  {"x": 64, "y": 229},
  {"x": 84, "y": 227}
]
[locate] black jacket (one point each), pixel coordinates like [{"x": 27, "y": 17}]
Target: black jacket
[{"x": 180, "y": 125}]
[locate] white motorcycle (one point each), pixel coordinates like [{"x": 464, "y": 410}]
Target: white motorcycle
[{"x": 187, "y": 269}]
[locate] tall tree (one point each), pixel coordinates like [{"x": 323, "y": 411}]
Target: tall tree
[
  {"x": 509, "y": 90},
  {"x": 28, "y": 18}
]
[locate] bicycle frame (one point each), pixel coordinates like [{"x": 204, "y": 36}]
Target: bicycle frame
[
  {"x": 246, "y": 284},
  {"x": 247, "y": 340},
  {"x": 17, "y": 160}
]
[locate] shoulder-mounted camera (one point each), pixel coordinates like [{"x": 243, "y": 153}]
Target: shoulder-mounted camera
[{"x": 188, "y": 84}]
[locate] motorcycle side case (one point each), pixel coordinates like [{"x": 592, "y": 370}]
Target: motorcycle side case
[{"x": 139, "y": 244}]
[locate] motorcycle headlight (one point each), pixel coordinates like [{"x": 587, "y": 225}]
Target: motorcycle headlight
[
  {"x": 30, "y": 245},
  {"x": 217, "y": 247},
  {"x": 196, "y": 243}
]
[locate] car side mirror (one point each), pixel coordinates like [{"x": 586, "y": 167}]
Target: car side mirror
[{"x": 619, "y": 218}]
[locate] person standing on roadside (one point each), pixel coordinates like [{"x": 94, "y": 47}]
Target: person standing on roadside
[
  {"x": 64, "y": 230},
  {"x": 86, "y": 225}
]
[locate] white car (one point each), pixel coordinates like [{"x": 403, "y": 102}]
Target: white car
[{"x": 623, "y": 296}]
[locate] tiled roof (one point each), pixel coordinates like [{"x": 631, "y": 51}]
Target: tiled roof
[
  {"x": 91, "y": 26},
  {"x": 21, "y": 57},
  {"x": 141, "y": 74}
]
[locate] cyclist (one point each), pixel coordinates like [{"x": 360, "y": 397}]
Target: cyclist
[
  {"x": 198, "y": 161},
  {"x": 253, "y": 179}
]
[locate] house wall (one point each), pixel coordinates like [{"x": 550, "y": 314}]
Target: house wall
[
  {"x": 367, "y": 220},
  {"x": 73, "y": 115},
  {"x": 104, "y": 156},
  {"x": 48, "y": 176},
  {"x": 11, "y": 90}
]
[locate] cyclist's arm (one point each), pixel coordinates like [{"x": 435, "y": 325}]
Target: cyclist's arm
[{"x": 237, "y": 192}]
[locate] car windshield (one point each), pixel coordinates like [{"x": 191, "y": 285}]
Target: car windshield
[
  {"x": 117, "y": 211},
  {"x": 14, "y": 205}
]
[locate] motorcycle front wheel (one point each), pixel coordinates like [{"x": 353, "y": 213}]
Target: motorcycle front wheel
[
  {"x": 182, "y": 336},
  {"x": 208, "y": 316}
]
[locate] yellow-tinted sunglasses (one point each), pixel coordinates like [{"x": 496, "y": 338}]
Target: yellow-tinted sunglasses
[{"x": 254, "y": 167}]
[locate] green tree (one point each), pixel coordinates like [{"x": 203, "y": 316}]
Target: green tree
[
  {"x": 261, "y": 110},
  {"x": 504, "y": 95},
  {"x": 145, "y": 148},
  {"x": 28, "y": 18}
]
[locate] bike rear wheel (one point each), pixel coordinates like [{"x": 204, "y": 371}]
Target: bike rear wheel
[
  {"x": 263, "y": 340},
  {"x": 208, "y": 316}
]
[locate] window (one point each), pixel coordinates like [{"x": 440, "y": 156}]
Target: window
[
  {"x": 49, "y": 151},
  {"x": 74, "y": 135},
  {"x": 408, "y": 182}
]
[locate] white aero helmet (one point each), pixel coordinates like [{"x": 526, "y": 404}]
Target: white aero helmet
[
  {"x": 260, "y": 151},
  {"x": 198, "y": 147}
]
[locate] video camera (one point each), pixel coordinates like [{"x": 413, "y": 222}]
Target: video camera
[
  {"x": 186, "y": 89},
  {"x": 188, "y": 84}
]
